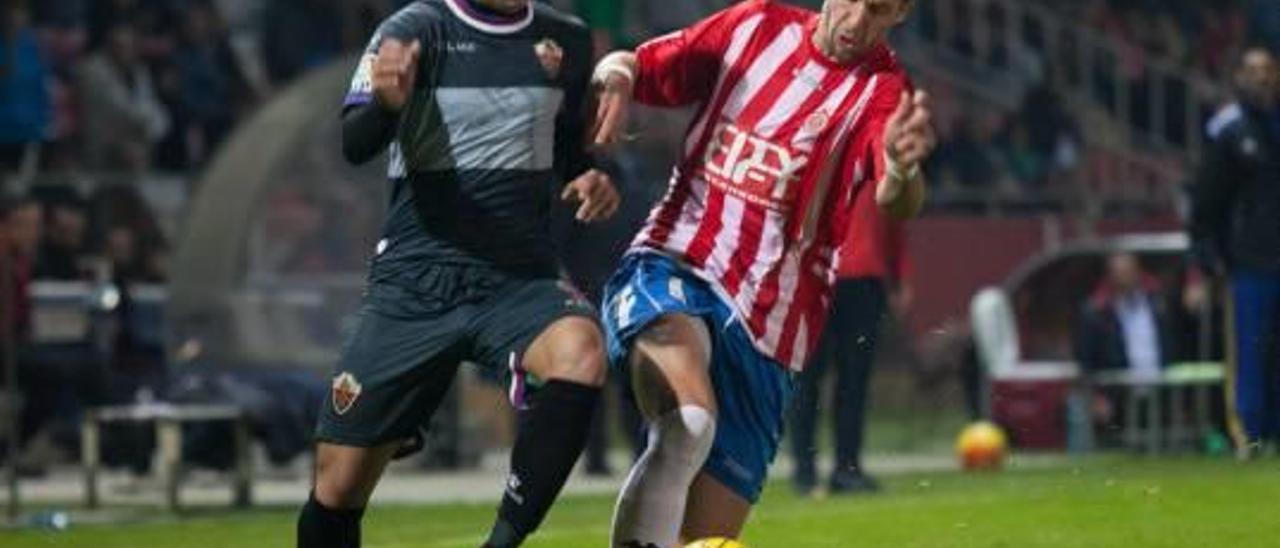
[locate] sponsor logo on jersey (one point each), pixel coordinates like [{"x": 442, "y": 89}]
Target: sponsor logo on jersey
[
  {"x": 752, "y": 167},
  {"x": 461, "y": 47}
]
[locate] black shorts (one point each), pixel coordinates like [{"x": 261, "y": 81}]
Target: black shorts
[{"x": 402, "y": 356}]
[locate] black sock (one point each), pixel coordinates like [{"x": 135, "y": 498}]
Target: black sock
[
  {"x": 551, "y": 435},
  {"x": 321, "y": 527}
]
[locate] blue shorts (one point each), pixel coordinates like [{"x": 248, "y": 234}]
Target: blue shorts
[{"x": 752, "y": 391}]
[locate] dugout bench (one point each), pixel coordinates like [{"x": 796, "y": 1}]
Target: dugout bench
[{"x": 168, "y": 420}]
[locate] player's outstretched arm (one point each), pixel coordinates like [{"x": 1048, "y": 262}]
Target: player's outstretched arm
[
  {"x": 908, "y": 141},
  {"x": 614, "y": 80},
  {"x": 368, "y": 128}
]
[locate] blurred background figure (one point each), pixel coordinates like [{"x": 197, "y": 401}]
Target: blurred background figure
[
  {"x": 25, "y": 107},
  {"x": 1124, "y": 323},
  {"x": 122, "y": 113},
  {"x": 1237, "y": 231},
  {"x": 874, "y": 272},
  {"x": 1124, "y": 327},
  {"x": 20, "y": 238},
  {"x": 66, "y": 223}
]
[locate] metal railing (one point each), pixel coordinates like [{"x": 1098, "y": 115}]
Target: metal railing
[{"x": 1150, "y": 106}]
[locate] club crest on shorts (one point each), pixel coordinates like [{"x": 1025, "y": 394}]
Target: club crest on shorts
[
  {"x": 345, "y": 391},
  {"x": 550, "y": 55}
]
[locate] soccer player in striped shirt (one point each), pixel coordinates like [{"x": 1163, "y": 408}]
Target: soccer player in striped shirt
[{"x": 726, "y": 288}]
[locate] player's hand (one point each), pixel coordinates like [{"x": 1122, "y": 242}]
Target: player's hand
[
  {"x": 613, "y": 106},
  {"x": 395, "y": 69},
  {"x": 909, "y": 137},
  {"x": 595, "y": 192}
]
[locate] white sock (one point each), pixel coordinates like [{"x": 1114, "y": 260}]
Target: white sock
[{"x": 650, "y": 507}]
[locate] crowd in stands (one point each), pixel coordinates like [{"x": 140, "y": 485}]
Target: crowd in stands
[
  {"x": 125, "y": 86},
  {"x": 1037, "y": 143}
]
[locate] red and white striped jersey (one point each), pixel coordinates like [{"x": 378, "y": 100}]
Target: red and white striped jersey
[{"x": 783, "y": 141}]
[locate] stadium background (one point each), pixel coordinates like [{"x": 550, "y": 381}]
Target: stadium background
[{"x": 239, "y": 236}]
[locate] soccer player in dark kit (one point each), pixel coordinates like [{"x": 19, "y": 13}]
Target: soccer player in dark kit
[{"x": 480, "y": 106}]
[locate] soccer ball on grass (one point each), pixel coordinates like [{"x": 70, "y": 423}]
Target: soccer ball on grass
[{"x": 981, "y": 446}]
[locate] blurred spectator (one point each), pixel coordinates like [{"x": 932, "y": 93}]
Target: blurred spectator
[
  {"x": 1124, "y": 325},
  {"x": 1264, "y": 16},
  {"x": 62, "y": 248},
  {"x": 24, "y": 94},
  {"x": 123, "y": 117},
  {"x": 605, "y": 18},
  {"x": 299, "y": 35},
  {"x": 1027, "y": 163},
  {"x": 964, "y": 158},
  {"x": 360, "y": 19},
  {"x": 19, "y": 240},
  {"x": 56, "y": 379},
  {"x": 873, "y": 270},
  {"x": 208, "y": 88},
  {"x": 646, "y": 19},
  {"x": 129, "y": 238},
  {"x": 155, "y": 22},
  {"x": 1052, "y": 129}
]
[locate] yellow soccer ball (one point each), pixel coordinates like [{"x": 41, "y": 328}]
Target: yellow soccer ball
[
  {"x": 715, "y": 542},
  {"x": 982, "y": 446}
]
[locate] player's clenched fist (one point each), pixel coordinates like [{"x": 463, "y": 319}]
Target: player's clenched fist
[{"x": 395, "y": 69}]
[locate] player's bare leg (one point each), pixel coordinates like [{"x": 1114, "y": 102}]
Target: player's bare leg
[
  {"x": 669, "y": 365},
  {"x": 344, "y": 479},
  {"x": 713, "y": 510},
  {"x": 570, "y": 349},
  {"x": 569, "y": 357}
]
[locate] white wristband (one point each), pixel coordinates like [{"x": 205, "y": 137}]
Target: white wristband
[
  {"x": 897, "y": 172},
  {"x": 612, "y": 64}
]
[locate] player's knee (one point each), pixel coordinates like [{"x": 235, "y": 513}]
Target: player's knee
[
  {"x": 577, "y": 353},
  {"x": 676, "y": 337},
  {"x": 683, "y": 437},
  {"x": 340, "y": 483}
]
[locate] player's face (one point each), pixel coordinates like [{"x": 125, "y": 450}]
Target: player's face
[
  {"x": 849, "y": 27},
  {"x": 1259, "y": 77},
  {"x": 505, "y": 6}
]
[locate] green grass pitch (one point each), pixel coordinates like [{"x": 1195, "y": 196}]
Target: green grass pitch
[{"x": 1122, "y": 502}]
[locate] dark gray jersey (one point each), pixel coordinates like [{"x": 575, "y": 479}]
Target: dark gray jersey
[{"x": 488, "y": 134}]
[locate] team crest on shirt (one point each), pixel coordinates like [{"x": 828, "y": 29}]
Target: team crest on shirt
[
  {"x": 345, "y": 391},
  {"x": 550, "y": 55},
  {"x": 817, "y": 121}
]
